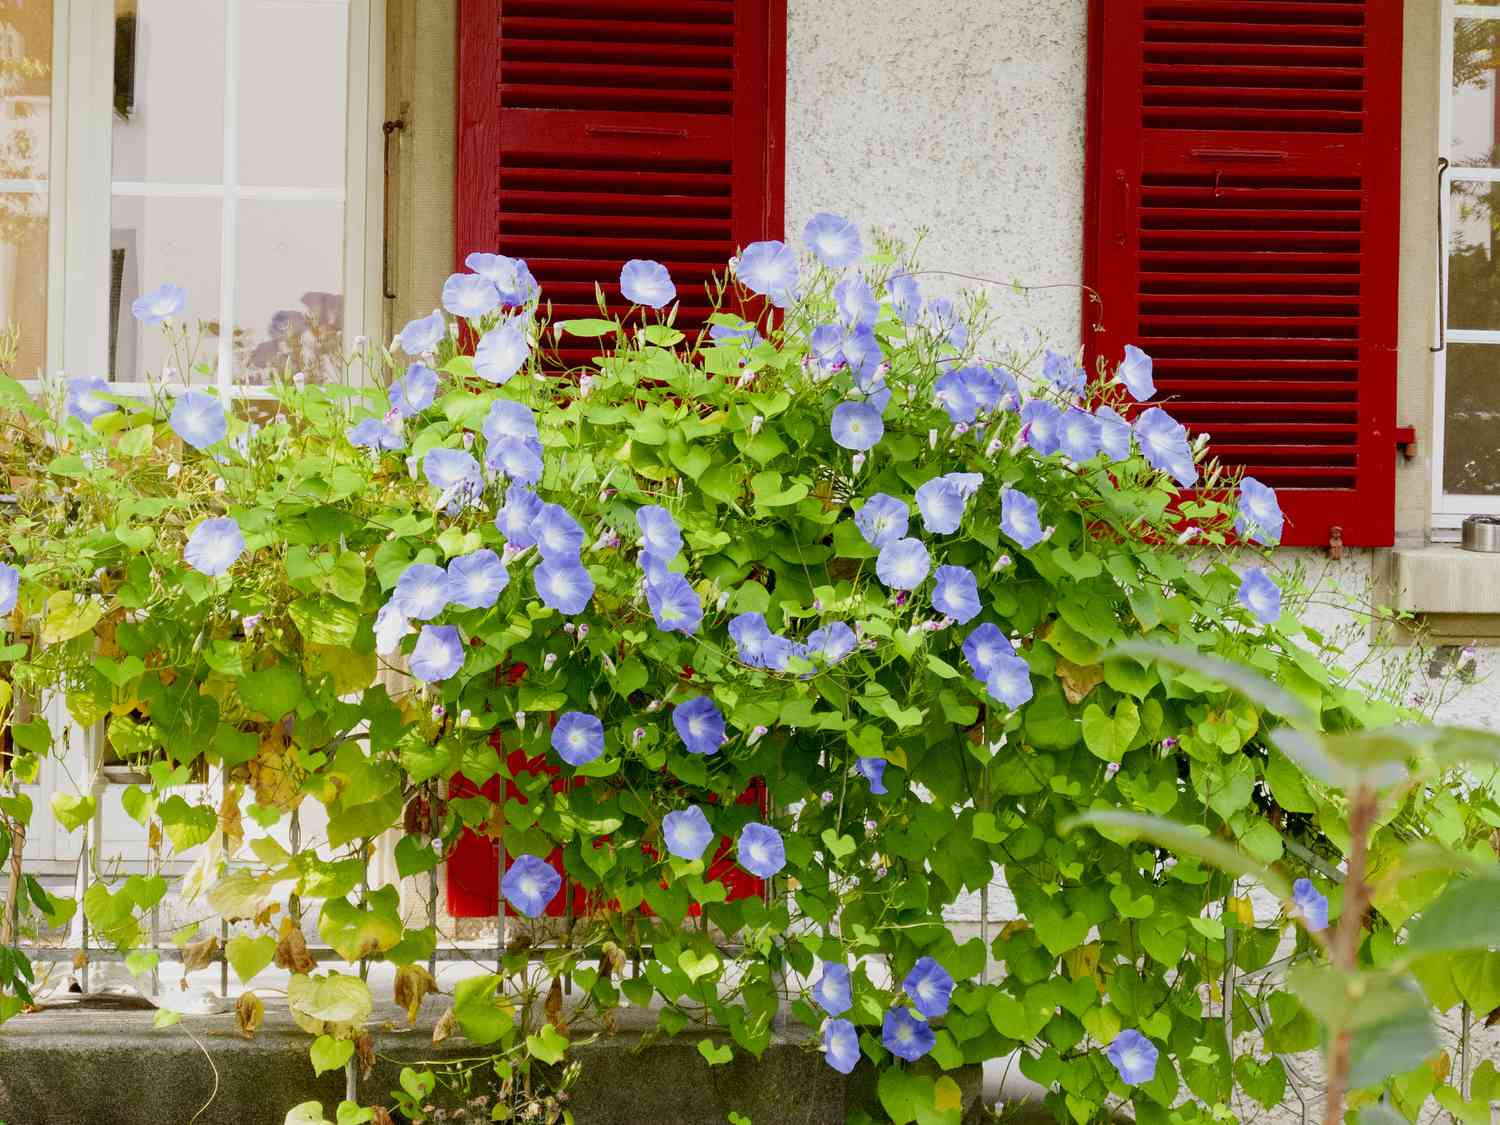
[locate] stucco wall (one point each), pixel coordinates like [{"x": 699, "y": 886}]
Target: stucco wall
[{"x": 964, "y": 119}]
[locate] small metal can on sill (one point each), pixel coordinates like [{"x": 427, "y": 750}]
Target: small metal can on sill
[{"x": 1482, "y": 533}]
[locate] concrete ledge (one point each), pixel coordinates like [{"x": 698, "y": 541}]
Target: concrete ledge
[
  {"x": 1445, "y": 579},
  {"x": 74, "y": 1065}
]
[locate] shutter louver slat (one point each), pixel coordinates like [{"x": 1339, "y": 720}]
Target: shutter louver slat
[{"x": 1243, "y": 232}]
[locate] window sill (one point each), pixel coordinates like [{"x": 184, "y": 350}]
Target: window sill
[{"x": 1444, "y": 579}]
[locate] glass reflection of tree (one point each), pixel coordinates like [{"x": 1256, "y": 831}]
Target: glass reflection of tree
[
  {"x": 1472, "y": 455},
  {"x": 309, "y": 340},
  {"x": 25, "y": 110}
]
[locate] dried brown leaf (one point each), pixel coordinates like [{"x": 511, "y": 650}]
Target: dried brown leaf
[
  {"x": 1078, "y": 681},
  {"x": 199, "y": 954},
  {"x": 364, "y": 1052},
  {"x": 553, "y": 1005},
  {"x": 413, "y": 983},
  {"x": 248, "y": 1012},
  {"x": 446, "y": 1025},
  {"x": 291, "y": 950}
]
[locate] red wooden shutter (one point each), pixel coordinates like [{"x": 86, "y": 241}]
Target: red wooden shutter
[
  {"x": 596, "y": 131},
  {"x": 1243, "y": 230}
]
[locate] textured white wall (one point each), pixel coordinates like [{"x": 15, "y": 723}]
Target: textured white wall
[{"x": 965, "y": 119}]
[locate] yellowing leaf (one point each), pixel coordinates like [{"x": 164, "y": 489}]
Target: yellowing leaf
[
  {"x": 66, "y": 617},
  {"x": 947, "y": 1095},
  {"x": 413, "y": 983},
  {"x": 71, "y": 810}
]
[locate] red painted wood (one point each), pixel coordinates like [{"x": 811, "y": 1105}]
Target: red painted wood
[
  {"x": 1244, "y": 167},
  {"x": 593, "y": 132}
]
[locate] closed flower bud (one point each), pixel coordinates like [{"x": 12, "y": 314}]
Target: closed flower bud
[
  {"x": 637, "y": 734},
  {"x": 756, "y": 735},
  {"x": 858, "y": 462},
  {"x": 1188, "y": 535},
  {"x": 932, "y": 439},
  {"x": 548, "y": 661},
  {"x": 583, "y": 632},
  {"x": 521, "y": 719},
  {"x": 755, "y": 424}
]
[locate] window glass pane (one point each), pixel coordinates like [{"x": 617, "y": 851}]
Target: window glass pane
[
  {"x": 294, "y": 78},
  {"x": 25, "y": 151},
  {"x": 1473, "y": 261},
  {"x": 1471, "y": 450},
  {"x": 290, "y": 299},
  {"x": 169, "y": 91},
  {"x": 1475, "y": 120},
  {"x": 153, "y": 241}
]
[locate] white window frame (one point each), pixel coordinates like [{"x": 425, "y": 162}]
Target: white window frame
[
  {"x": 1450, "y": 508},
  {"x": 82, "y": 187}
]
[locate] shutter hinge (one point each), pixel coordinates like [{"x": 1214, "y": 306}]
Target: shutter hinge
[
  {"x": 1406, "y": 441},
  {"x": 1335, "y": 543}
]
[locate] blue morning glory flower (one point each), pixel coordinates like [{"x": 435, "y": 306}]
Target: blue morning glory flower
[
  {"x": 778, "y": 652},
  {"x": 438, "y": 653},
  {"x": 530, "y": 884},
  {"x": 422, "y": 592},
  {"x": 770, "y": 269},
  {"x": 903, "y": 565},
  {"x": 674, "y": 603},
  {"x": 198, "y": 419},
  {"x": 861, "y": 351},
  {"x": 942, "y": 506},
  {"x": 517, "y": 460},
  {"x": 390, "y": 627},
  {"x": 750, "y": 633},
  {"x": 501, "y": 352},
  {"x": 509, "y": 419},
  {"x": 510, "y": 276},
  {"x": 10, "y": 588},
  {"x": 454, "y": 474},
  {"x": 990, "y": 389},
  {"x": 833, "y": 240},
  {"x": 1114, "y": 434},
  {"x": 514, "y": 519},
  {"x": 856, "y": 425},
  {"x": 660, "y": 534},
  {"x": 1260, "y": 596},
  {"x": 1009, "y": 681},
  {"x": 827, "y": 344},
  {"x": 578, "y": 737},
  {"x": 558, "y": 536},
  {"x": 1018, "y": 518},
  {"x": 968, "y": 484},
  {"x": 470, "y": 296},
  {"x": 159, "y": 304},
  {"x": 760, "y": 849},
  {"x": 563, "y": 585},
  {"x": 477, "y": 579},
  {"x": 856, "y": 302},
  {"x": 906, "y": 297},
  {"x": 873, "y": 771},
  {"x": 1164, "y": 442},
  {"x": 686, "y": 832},
  {"x": 654, "y": 567},
  {"x": 953, "y": 394},
  {"x": 372, "y": 433},
  {"x": 840, "y": 1045},
  {"x": 413, "y": 392},
  {"x": 1078, "y": 435},
  {"x": 929, "y": 986},
  {"x": 699, "y": 724},
  {"x": 214, "y": 546},
  {"x": 831, "y": 991},
  {"x": 1063, "y": 373},
  {"x": 882, "y": 520},
  {"x": 956, "y": 593},
  {"x": 831, "y": 643},
  {"x": 83, "y": 399},
  {"x": 905, "y": 1036},
  {"x": 423, "y": 335},
  {"x": 1259, "y": 518},
  {"x": 646, "y": 283},
  {"x": 1040, "y": 426},
  {"x": 946, "y": 322},
  {"x": 1133, "y": 1056},
  {"x": 984, "y": 649},
  {"x": 1135, "y": 373},
  {"x": 1311, "y": 904}
]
